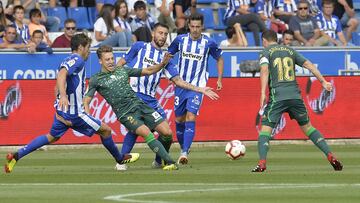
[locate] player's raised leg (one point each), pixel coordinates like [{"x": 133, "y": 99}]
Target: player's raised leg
[
  {"x": 318, "y": 139},
  {"x": 165, "y": 138}
]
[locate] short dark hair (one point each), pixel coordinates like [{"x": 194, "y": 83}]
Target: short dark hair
[
  {"x": 327, "y": 2},
  {"x": 69, "y": 20},
  {"x": 79, "y": 39},
  {"x": 18, "y": 7},
  {"x": 37, "y": 32},
  {"x": 160, "y": 25},
  {"x": 9, "y": 26},
  {"x": 197, "y": 16},
  {"x": 269, "y": 35},
  {"x": 139, "y": 5},
  {"x": 230, "y": 31},
  {"x": 289, "y": 32},
  {"x": 103, "y": 49},
  {"x": 303, "y": 2},
  {"x": 34, "y": 12}
]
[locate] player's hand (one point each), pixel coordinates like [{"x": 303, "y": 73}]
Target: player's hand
[
  {"x": 166, "y": 59},
  {"x": 327, "y": 85},
  {"x": 342, "y": 2},
  {"x": 208, "y": 91},
  {"x": 219, "y": 85},
  {"x": 63, "y": 103},
  {"x": 262, "y": 100}
]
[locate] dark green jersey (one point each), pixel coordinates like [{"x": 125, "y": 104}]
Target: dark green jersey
[
  {"x": 281, "y": 61},
  {"x": 115, "y": 88}
]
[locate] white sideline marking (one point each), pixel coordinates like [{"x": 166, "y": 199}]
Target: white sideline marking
[{"x": 125, "y": 197}]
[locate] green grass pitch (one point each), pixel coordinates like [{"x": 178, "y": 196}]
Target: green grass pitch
[{"x": 296, "y": 173}]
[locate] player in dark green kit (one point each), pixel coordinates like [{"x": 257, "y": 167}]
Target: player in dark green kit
[
  {"x": 113, "y": 84},
  {"x": 278, "y": 71}
]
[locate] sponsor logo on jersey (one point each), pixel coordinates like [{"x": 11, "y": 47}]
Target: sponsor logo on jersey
[
  {"x": 149, "y": 61},
  {"x": 192, "y": 56}
]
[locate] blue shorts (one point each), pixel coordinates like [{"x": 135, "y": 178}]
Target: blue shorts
[
  {"x": 153, "y": 103},
  {"x": 83, "y": 123},
  {"x": 187, "y": 100}
]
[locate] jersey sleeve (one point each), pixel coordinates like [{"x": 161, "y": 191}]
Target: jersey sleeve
[
  {"x": 92, "y": 87},
  {"x": 299, "y": 58},
  {"x": 264, "y": 58},
  {"x": 174, "y": 46},
  {"x": 133, "y": 72},
  {"x": 73, "y": 65},
  {"x": 338, "y": 25},
  {"x": 215, "y": 50},
  {"x": 133, "y": 51},
  {"x": 171, "y": 70}
]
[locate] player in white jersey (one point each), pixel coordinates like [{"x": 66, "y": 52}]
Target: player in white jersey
[
  {"x": 69, "y": 108},
  {"x": 194, "y": 49},
  {"x": 144, "y": 55}
]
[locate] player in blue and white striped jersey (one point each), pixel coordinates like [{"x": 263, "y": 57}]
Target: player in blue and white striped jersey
[
  {"x": 330, "y": 24},
  {"x": 70, "y": 112},
  {"x": 146, "y": 55},
  {"x": 194, "y": 50}
]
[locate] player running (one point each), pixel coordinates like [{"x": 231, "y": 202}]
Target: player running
[
  {"x": 69, "y": 108},
  {"x": 146, "y": 55},
  {"x": 112, "y": 84},
  {"x": 278, "y": 71},
  {"x": 194, "y": 49}
]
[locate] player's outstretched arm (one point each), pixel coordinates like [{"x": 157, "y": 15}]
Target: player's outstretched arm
[
  {"x": 86, "y": 102},
  {"x": 156, "y": 68},
  {"x": 208, "y": 91},
  {"x": 220, "y": 67},
  {"x": 310, "y": 66},
  {"x": 61, "y": 86},
  {"x": 264, "y": 79}
]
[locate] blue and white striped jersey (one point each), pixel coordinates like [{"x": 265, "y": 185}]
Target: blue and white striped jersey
[
  {"x": 23, "y": 32},
  {"x": 123, "y": 24},
  {"x": 146, "y": 55},
  {"x": 285, "y": 5},
  {"x": 75, "y": 84},
  {"x": 232, "y": 6},
  {"x": 193, "y": 57},
  {"x": 331, "y": 27}
]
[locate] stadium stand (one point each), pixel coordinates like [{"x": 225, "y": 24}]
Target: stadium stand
[
  {"x": 218, "y": 37},
  {"x": 59, "y": 12},
  {"x": 208, "y": 17},
  {"x": 80, "y": 15}
]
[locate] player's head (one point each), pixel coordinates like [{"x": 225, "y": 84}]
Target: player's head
[
  {"x": 80, "y": 44},
  {"x": 35, "y": 16},
  {"x": 159, "y": 34},
  {"x": 140, "y": 10},
  {"x": 328, "y": 7},
  {"x": 10, "y": 33},
  {"x": 106, "y": 58},
  {"x": 121, "y": 9},
  {"x": 269, "y": 37},
  {"x": 37, "y": 36},
  {"x": 19, "y": 12},
  {"x": 303, "y": 8},
  {"x": 230, "y": 31},
  {"x": 196, "y": 22},
  {"x": 288, "y": 37}
]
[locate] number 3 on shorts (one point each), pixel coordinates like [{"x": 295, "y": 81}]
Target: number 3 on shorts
[{"x": 176, "y": 102}]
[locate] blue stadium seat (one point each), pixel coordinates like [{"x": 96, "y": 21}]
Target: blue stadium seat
[
  {"x": 80, "y": 15},
  {"x": 218, "y": 37},
  {"x": 208, "y": 17},
  {"x": 150, "y": 2},
  {"x": 250, "y": 38},
  {"x": 356, "y": 38},
  {"x": 59, "y": 12},
  {"x": 221, "y": 14},
  {"x": 92, "y": 13}
]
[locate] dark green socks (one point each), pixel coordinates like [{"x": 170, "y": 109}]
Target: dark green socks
[
  {"x": 158, "y": 148},
  {"x": 317, "y": 138},
  {"x": 263, "y": 144}
]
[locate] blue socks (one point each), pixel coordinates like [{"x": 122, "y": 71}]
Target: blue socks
[
  {"x": 33, "y": 145},
  {"x": 180, "y": 128},
  {"x": 189, "y": 134},
  {"x": 111, "y": 147},
  {"x": 129, "y": 142}
]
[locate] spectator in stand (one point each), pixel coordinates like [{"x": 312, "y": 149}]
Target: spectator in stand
[
  {"x": 330, "y": 24},
  {"x": 9, "y": 41},
  {"x": 344, "y": 10},
  {"x": 35, "y": 18},
  {"x": 63, "y": 41},
  {"x": 235, "y": 37},
  {"x": 51, "y": 22},
  {"x": 238, "y": 12},
  {"x": 183, "y": 9},
  {"x": 304, "y": 26},
  {"x": 122, "y": 18},
  {"x": 9, "y": 11},
  {"x": 37, "y": 38},
  {"x": 288, "y": 38},
  {"x": 143, "y": 23},
  {"x": 3, "y": 20},
  {"x": 21, "y": 28},
  {"x": 165, "y": 10},
  {"x": 106, "y": 33},
  {"x": 284, "y": 10},
  {"x": 101, "y": 3}
]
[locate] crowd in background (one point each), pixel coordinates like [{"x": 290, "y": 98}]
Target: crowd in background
[{"x": 25, "y": 25}]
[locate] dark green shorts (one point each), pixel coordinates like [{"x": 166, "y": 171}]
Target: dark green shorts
[
  {"x": 141, "y": 115},
  {"x": 295, "y": 107}
]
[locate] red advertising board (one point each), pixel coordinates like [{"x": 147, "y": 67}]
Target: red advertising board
[{"x": 27, "y": 111}]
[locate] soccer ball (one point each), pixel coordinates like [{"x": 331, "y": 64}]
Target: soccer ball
[{"x": 235, "y": 149}]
